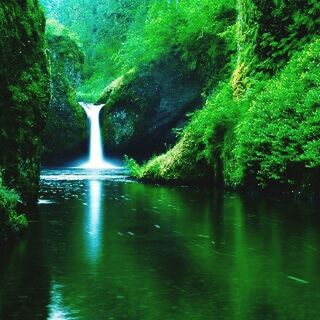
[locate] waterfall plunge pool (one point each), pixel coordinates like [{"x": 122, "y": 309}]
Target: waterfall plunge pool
[{"x": 104, "y": 247}]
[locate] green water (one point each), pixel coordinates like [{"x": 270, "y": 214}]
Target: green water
[{"x": 103, "y": 247}]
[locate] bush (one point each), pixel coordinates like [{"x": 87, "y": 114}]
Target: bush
[
  {"x": 279, "y": 139},
  {"x": 10, "y": 220}
]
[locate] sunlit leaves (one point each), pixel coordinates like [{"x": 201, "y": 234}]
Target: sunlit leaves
[{"x": 281, "y": 131}]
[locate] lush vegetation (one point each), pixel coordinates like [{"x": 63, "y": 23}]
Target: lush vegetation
[
  {"x": 267, "y": 137},
  {"x": 256, "y": 90},
  {"x": 10, "y": 220},
  {"x": 24, "y": 97}
]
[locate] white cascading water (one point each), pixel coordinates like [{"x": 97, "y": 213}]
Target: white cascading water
[{"x": 96, "y": 159}]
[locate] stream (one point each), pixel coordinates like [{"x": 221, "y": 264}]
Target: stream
[{"x": 103, "y": 247}]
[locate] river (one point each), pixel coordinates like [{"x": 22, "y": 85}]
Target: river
[{"x": 103, "y": 247}]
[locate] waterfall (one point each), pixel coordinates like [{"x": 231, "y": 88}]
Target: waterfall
[{"x": 96, "y": 159}]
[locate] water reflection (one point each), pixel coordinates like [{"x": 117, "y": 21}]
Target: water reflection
[
  {"x": 56, "y": 309},
  {"x": 94, "y": 221},
  {"x": 167, "y": 253}
]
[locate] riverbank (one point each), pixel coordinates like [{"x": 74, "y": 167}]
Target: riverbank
[{"x": 275, "y": 193}]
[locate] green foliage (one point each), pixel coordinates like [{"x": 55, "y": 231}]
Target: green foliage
[
  {"x": 279, "y": 137},
  {"x": 133, "y": 167},
  {"x": 121, "y": 35},
  {"x": 102, "y": 27},
  {"x": 272, "y": 31},
  {"x": 195, "y": 30},
  {"x": 10, "y": 221}
]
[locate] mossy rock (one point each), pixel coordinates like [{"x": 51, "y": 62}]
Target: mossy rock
[
  {"x": 143, "y": 106},
  {"x": 66, "y": 127},
  {"x": 24, "y": 94}
]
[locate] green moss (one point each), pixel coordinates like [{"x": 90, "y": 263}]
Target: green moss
[
  {"x": 185, "y": 162},
  {"x": 195, "y": 157},
  {"x": 65, "y": 129},
  {"x": 128, "y": 101},
  {"x": 24, "y": 94}
]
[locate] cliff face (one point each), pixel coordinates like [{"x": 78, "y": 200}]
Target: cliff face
[
  {"x": 66, "y": 127},
  {"x": 24, "y": 94}
]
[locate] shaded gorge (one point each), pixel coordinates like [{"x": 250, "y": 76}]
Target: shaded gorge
[{"x": 103, "y": 247}]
